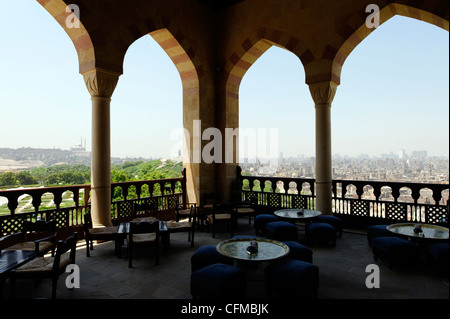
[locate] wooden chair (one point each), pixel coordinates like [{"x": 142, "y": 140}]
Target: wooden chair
[
  {"x": 39, "y": 236},
  {"x": 143, "y": 234},
  {"x": 98, "y": 233},
  {"x": 221, "y": 214},
  {"x": 187, "y": 224},
  {"x": 206, "y": 207},
  {"x": 144, "y": 211},
  {"x": 184, "y": 211},
  {"x": 246, "y": 208},
  {"x": 48, "y": 267}
]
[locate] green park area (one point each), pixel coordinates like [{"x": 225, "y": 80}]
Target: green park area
[{"x": 63, "y": 175}]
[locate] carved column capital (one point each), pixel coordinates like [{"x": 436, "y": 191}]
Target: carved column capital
[
  {"x": 100, "y": 83},
  {"x": 323, "y": 92}
]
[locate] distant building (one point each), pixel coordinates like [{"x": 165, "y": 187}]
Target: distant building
[
  {"x": 419, "y": 154},
  {"x": 79, "y": 147}
]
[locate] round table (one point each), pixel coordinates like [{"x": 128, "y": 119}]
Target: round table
[
  {"x": 429, "y": 231},
  {"x": 297, "y": 214},
  {"x": 268, "y": 249}
]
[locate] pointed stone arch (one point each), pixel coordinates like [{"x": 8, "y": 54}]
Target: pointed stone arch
[
  {"x": 355, "y": 36},
  {"x": 251, "y": 49},
  {"x": 80, "y": 37},
  {"x": 236, "y": 66},
  {"x": 189, "y": 75}
]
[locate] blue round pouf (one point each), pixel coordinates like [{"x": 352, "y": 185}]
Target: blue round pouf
[
  {"x": 299, "y": 252},
  {"x": 261, "y": 220},
  {"x": 397, "y": 250},
  {"x": 292, "y": 279},
  {"x": 282, "y": 231},
  {"x": 207, "y": 255},
  {"x": 376, "y": 231},
  {"x": 218, "y": 281},
  {"x": 321, "y": 232},
  {"x": 334, "y": 221}
]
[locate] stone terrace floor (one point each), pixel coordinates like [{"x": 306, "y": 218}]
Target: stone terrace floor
[{"x": 341, "y": 270}]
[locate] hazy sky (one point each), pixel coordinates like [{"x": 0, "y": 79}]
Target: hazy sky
[{"x": 393, "y": 95}]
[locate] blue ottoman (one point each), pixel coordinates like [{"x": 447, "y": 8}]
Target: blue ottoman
[
  {"x": 377, "y": 231},
  {"x": 282, "y": 231},
  {"x": 292, "y": 279},
  {"x": 439, "y": 254},
  {"x": 321, "y": 232},
  {"x": 218, "y": 281},
  {"x": 299, "y": 252},
  {"x": 396, "y": 250},
  {"x": 334, "y": 221},
  {"x": 207, "y": 255},
  {"x": 261, "y": 220}
]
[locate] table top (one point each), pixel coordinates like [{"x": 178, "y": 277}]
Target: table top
[
  {"x": 10, "y": 259},
  {"x": 297, "y": 213},
  {"x": 429, "y": 231},
  {"x": 267, "y": 249}
]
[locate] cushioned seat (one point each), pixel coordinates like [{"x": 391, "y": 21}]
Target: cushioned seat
[
  {"x": 39, "y": 236},
  {"x": 98, "y": 233},
  {"x": 396, "y": 250},
  {"x": 218, "y": 281},
  {"x": 299, "y": 251},
  {"x": 207, "y": 255},
  {"x": 42, "y": 265},
  {"x": 321, "y": 232},
  {"x": 377, "y": 231},
  {"x": 334, "y": 221},
  {"x": 31, "y": 245},
  {"x": 261, "y": 220},
  {"x": 282, "y": 230},
  {"x": 292, "y": 279},
  {"x": 47, "y": 267},
  {"x": 103, "y": 230},
  {"x": 440, "y": 255}
]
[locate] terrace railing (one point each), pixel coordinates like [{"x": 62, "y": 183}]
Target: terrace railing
[
  {"x": 67, "y": 204},
  {"x": 358, "y": 202}
]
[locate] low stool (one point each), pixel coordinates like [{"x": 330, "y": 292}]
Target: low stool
[
  {"x": 334, "y": 221},
  {"x": 282, "y": 231},
  {"x": 299, "y": 252},
  {"x": 207, "y": 255},
  {"x": 439, "y": 255},
  {"x": 218, "y": 281},
  {"x": 377, "y": 231},
  {"x": 321, "y": 232},
  {"x": 261, "y": 220},
  {"x": 396, "y": 250},
  {"x": 292, "y": 278}
]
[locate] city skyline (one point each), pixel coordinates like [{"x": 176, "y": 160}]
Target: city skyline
[{"x": 393, "y": 93}]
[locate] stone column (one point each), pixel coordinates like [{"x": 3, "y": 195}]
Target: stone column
[
  {"x": 323, "y": 94},
  {"x": 101, "y": 85}
]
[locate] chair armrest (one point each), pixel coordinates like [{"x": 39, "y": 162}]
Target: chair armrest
[{"x": 51, "y": 238}]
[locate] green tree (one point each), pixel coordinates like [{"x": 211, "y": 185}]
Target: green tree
[
  {"x": 8, "y": 179},
  {"x": 25, "y": 178},
  {"x": 40, "y": 173}
]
